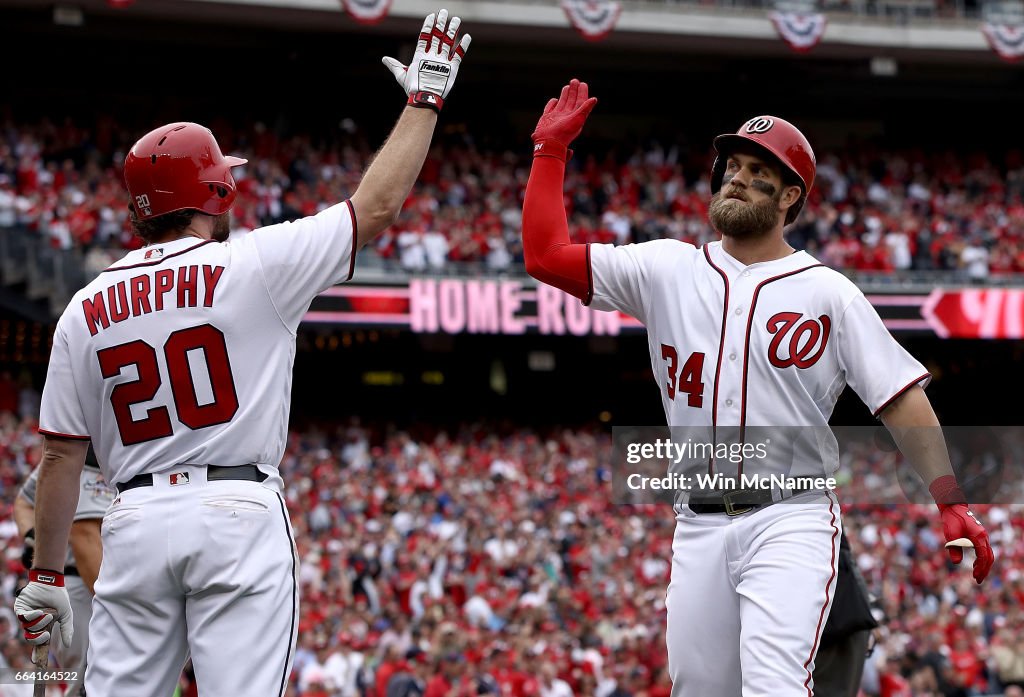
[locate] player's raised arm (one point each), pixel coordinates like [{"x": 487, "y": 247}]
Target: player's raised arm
[
  {"x": 427, "y": 80},
  {"x": 549, "y": 254},
  {"x": 917, "y": 432}
]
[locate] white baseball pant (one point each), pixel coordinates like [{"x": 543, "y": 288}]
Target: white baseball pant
[
  {"x": 198, "y": 568},
  {"x": 749, "y": 596}
]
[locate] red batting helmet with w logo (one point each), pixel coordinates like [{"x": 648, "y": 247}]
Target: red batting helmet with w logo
[
  {"x": 178, "y": 167},
  {"x": 782, "y": 140}
]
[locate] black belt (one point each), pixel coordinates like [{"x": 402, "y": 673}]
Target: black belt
[
  {"x": 245, "y": 473},
  {"x": 739, "y": 501},
  {"x": 71, "y": 571}
]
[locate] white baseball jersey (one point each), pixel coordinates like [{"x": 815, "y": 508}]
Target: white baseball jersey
[
  {"x": 182, "y": 352},
  {"x": 769, "y": 344}
]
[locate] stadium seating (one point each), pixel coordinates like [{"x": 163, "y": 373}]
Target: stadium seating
[
  {"x": 939, "y": 215},
  {"x": 499, "y": 564}
]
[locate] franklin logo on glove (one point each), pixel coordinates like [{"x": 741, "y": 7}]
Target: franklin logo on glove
[
  {"x": 436, "y": 68},
  {"x": 437, "y": 59}
]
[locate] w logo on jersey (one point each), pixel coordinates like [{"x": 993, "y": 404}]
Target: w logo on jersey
[{"x": 807, "y": 340}]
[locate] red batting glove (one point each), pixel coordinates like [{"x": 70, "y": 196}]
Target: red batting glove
[
  {"x": 562, "y": 121},
  {"x": 958, "y": 521}
]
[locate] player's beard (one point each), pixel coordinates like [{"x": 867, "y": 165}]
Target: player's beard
[
  {"x": 741, "y": 220},
  {"x": 221, "y": 227}
]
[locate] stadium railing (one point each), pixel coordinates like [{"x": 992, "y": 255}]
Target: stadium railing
[{"x": 48, "y": 273}]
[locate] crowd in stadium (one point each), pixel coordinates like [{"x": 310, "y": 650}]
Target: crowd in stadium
[
  {"x": 870, "y": 210},
  {"x": 459, "y": 563}
]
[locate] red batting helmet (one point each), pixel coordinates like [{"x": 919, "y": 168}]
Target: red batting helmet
[
  {"x": 177, "y": 167},
  {"x": 780, "y": 138}
]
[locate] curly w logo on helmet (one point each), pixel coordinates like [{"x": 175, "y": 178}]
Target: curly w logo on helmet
[{"x": 760, "y": 124}]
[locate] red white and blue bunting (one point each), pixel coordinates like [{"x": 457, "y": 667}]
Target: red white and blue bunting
[
  {"x": 593, "y": 19},
  {"x": 367, "y": 11},
  {"x": 1005, "y": 39},
  {"x": 802, "y": 31}
]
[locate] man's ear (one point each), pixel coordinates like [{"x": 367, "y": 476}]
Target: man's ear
[{"x": 790, "y": 195}]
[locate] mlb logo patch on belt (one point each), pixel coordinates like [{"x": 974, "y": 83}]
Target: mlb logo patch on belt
[{"x": 178, "y": 478}]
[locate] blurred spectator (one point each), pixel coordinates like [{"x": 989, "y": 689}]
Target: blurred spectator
[
  {"x": 29, "y": 397},
  {"x": 410, "y": 676},
  {"x": 550, "y": 684},
  {"x": 412, "y": 249},
  {"x": 1008, "y": 657},
  {"x": 974, "y": 258}
]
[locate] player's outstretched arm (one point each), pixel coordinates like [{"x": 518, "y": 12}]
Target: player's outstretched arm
[
  {"x": 427, "y": 80},
  {"x": 549, "y": 254},
  {"x": 917, "y": 432}
]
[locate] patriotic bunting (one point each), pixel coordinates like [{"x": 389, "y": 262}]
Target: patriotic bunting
[
  {"x": 593, "y": 19},
  {"x": 367, "y": 11},
  {"x": 801, "y": 30},
  {"x": 1005, "y": 39}
]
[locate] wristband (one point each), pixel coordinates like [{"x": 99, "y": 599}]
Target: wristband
[
  {"x": 946, "y": 491},
  {"x": 548, "y": 147},
  {"x": 46, "y": 577},
  {"x": 426, "y": 100}
]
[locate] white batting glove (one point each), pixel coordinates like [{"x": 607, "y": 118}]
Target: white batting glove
[
  {"x": 429, "y": 77},
  {"x": 44, "y": 593}
]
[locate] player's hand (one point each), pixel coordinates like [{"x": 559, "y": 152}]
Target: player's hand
[
  {"x": 428, "y": 79},
  {"x": 36, "y": 602},
  {"x": 563, "y": 119},
  {"x": 959, "y": 522}
]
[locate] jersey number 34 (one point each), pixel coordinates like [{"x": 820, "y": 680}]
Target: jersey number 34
[
  {"x": 686, "y": 380},
  {"x": 157, "y": 422}
]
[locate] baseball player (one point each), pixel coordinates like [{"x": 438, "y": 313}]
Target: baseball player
[
  {"x": 85, "y": 552},
  {"x": 744, "y": 333},
  {"x": 176, "y": 362}
]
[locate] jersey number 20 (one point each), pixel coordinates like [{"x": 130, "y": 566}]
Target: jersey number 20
[{"x": 157, "y": 422}]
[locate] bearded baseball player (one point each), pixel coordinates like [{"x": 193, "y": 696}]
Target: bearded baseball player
[
  {"x": 84, "y": 554},
  {"x": 176, "y": 362},
  {"x": 743, "y": 333}
]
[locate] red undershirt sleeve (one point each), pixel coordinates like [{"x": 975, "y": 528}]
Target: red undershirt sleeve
[{"x": 549, "y": 254}]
